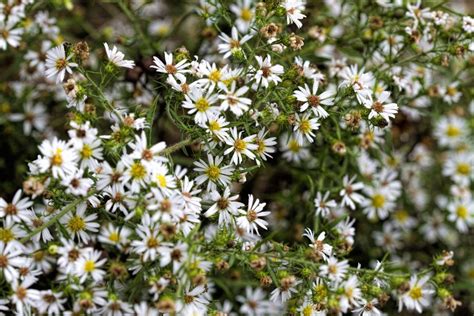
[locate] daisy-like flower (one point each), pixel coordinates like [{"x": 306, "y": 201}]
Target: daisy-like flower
[
  {"x": 77, "y": 185},
  {"x": 232, "y": 44},
  {"x": 233, "y": 99},
  {"x": 323, "y": 204},
  {"x": 34, "y": 116},
  {"x": 312, "y": 100},
  {"x": 58, "y": 157},
  {"x": 253, "y": 303},
  {"x": 368, "y": 308},
  {"x": 460, "y": 168},
  {"x": 321, "y": 249},
  {"x": 378, "y": 108},
  {"x": 23, "y": 297},
  {"x": 418, "y": 295},
  {"x": 304, "y": 127},
  {"x": 10, "y": 261},
  {"x": 201, "y": 105},
  {"x": 360, "y": 81},
  {"x": 115, "y": 236},
  {"x": 80, "y": 225},
  {"x": 9, "y": 35},
  {"x": 51, "y": 303},
  {"x": 57, "y": 64},
  {"x": 89, "y": 264},
  {"x": 213, "y": 172},
  {"x": 176, "y": 70},
  {"x": 267, "y": 73},
  {"x": 287, "y": 287},
  {"x": 293, "y": 11},
  {"x": 161, "y": 177},
  {"x": 334, "y": 270},
  {"x": 450, "y": 93},
  {"x": 136, "y": 172},
  {"x": 292, "y": 150},
  {"x": 250, "y": 219},
  {"x": 148, "y": 244},
  {"x": 90, "y": 152},
  {"x": 461, "y": 212},
  {"x": 16, "y": 210},
  {"x": 195, "y": 301},
  {"x": 240, "y": 146},
  {"x": 379, "y": 203},
  {"x": 265, "y": 146},
  {"x": 177, "y": 255},
  {"x": 451, "y": 131},
  {"x": 116, "y": 57},
  {"x": 225, "y": 205},
  {"x": 217, "y": 128},
  {"x": 352, "y": 294},
  {"x": 350, "y": 196},
  {"x": 245, "y": 14}
]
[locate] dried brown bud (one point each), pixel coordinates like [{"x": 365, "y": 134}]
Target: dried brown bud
[
  {"x": 258, "y": 264},
  {"x": 296, "y": 42},
  {"x": 339, "y": 148},
  {"x": 265, "y": 281},
  {"x": 451, "y": 303},
  {"x": 270, "y": 30},
  {"x": 81, "y": 49},
  {"x": 222, "y": 265},
  {"x": 166, "y": 305},
  {"x": 33, "y": 186}
]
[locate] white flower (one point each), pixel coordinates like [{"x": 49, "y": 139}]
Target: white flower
[
  {"x": 368, "y": 308},
  {"x": 217, "y": 127},
  {"x": 23, "y": 297},
  {"x": 334, "y": 270},
  {"x": 254, "y": 302},
  {"x": 225, "y": 205},
  {"x": 293, "y": 11},
  {"x": 460, "y": 168},
  {"x": 176, "y": 70},
  {"x": 245, "y": 14},
  {"x": 234, "y": 100},
  {"x": 148, "y": 244},
  {"x": 292, "y": 150},
  {"x": 116, "y": 236},
  {"x": 58, "y": 158},
  {"x": 379, "y": 203},
  {"x": 461, "y": 212},
  {"x": 283, "y": 293},
  {"x": 304, "y": 127},
  {"x": 451, "y": 131},
  {"x": 250, "y": 219},
  {"x": 232, "y": 44},
  {"x": 352, "y": 294},
  {"x": 240, "y": 146},
  {"x": 213, "y": 172},
  {"x": 201, "y": 105},
  {"x": 195, "y": 302},
  {"x": 57, "y": 64},
  {"x": 89, "y": 264},
  {"x": 312, "y": 100},
  {"x": 51, "y": 303},
  {"x": 320, "y": 249},
  {"x": 468, "y": 24},
  {"x": 378, "y": 108},
  {"x": 360, "y": 81},
  {"x": 9, "y": 34},
  {"x": 418, "y": 295},
  {"x": 16, "y": 211},
  {"x": 267, "y": 73},
  {"x": 323, "y": 205},
  {"x": 349, "y": 193},
  {"x": 79, "y": 225},
  {"x": 77, "y": 185},
  {"x": 117, "y": 58},
  {"x": 11, "y": 261},
  {"x": 33, "y": 116},
  {"x": 265, "y": 146}
]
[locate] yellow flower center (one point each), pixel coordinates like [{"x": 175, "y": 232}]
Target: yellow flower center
[
  {"x": 152, "y": 242},
  {"x": 462, "y": 212},
  {"x": 202, "y": 105},
  {"x": 213, "y": 172},
  {"x": 451, "y": 91},
  {"x": 114, "y": 237},
  {"x": 61, "y": 64},
  {"x": 305, "y": 126},
  {"x": 261, "y": 145},
  {"x": 240, "y": 145},
  {"x": 89, "y": 266},
  {"x": 137, "y": 170},
  {"x": 76, "y": 223},
  {"x": 307, "y": 310},
  {"x": 57, "y": 158},
  {"x": 86, "y": 151},
  {"x": 246, "y": 14},
  {"x": 401, "y": 215},
  {"x": 294, "y": 146},
  {"x": 214, "y": 126},
  {"x": 415, "y": 293},
  {"x": 452, "y": 131},
  {"x": 378, "y": 200},
  {"x": 6, "y": 235},
  {"x": 463, "y": 168},
  {"x": 215, "y": 75},
  {"x": 161, "y": 180}
]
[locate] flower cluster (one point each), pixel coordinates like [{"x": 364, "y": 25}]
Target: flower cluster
[{"x": 290, "y": 158}]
